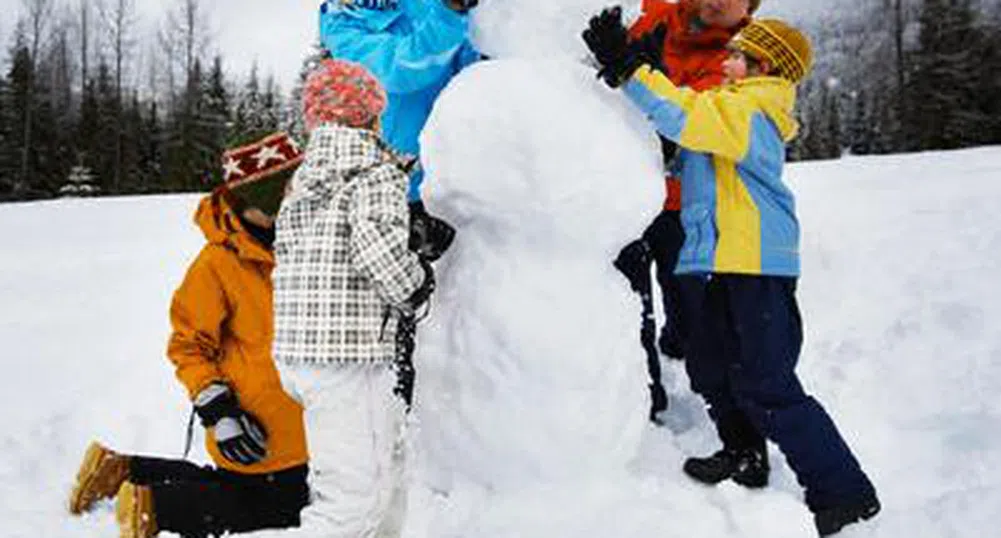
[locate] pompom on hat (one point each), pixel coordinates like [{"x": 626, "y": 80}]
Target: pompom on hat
[
  {"x": 344, "y": 93},
  {"x": 257, "y": 167},
  {"x": 783, "y": 46}
]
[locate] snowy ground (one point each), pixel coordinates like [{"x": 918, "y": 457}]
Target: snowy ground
[{"x": 899, "y": 299}]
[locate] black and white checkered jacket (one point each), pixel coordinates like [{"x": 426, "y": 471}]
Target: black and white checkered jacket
[{"x": 342, "y": 261}]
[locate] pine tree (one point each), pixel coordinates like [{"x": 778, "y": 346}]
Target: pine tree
[
  {"x": 88, "y": 128},
  {"x": 151, "y": 142},
  {"x": 6, "y": 181},
  {"x": 292, "y": 115},
  {"x": 944, "y": 111},
  {"x": 131, "y": 127},
  {"x": 104, "y": 149},
  {"x": 16, "y": 106},
  {"x": 248, "y": 109}
]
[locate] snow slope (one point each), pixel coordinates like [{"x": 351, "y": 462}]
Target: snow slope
[{"x": 899, "y": 300}]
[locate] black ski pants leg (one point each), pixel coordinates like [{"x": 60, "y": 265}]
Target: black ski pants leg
[
  {"x": 197, "y": 502},
  {"x": 666, "y": 236}
]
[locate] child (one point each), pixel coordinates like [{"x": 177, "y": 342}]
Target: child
[
  {"x": 343, "y": 279},
  {"x": 686, "y": 40},
  {"x": 413, "y": 48},
  {"x": 740, "y": 263},
  {"x": 221, "y": 348}
]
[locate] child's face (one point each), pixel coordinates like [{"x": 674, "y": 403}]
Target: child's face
[
  {"x": 723, "y": 13},
  {"x": 735, "y": 66},
  {"x": 257, "y": 217}
]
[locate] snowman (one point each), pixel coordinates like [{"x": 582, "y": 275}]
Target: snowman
[{"x": 529, "y": 369}]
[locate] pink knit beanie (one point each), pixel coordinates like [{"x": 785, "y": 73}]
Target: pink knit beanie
[{"x": 344, "y": 93}]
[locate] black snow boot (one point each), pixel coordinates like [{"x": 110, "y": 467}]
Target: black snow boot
[
  {"x": 831, "y": 520},
  {"x": 747, "y": 467}
]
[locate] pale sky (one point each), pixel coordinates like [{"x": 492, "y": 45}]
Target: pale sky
[{"x": 277, "y": 33}]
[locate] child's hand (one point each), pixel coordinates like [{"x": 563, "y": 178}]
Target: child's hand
[
  {"x": 608, "y": 40},
  {"x": 462, "y": 6}
]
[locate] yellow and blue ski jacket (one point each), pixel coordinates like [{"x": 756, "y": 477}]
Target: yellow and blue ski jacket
[
  {"x": 738, "y": 214},
  {"x": 413, "y": 47}
]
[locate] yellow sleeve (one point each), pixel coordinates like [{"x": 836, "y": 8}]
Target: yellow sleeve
[{"x": 716, "y": 121}]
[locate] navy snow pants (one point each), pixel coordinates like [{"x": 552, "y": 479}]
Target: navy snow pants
[{"x": 744, "y": 335}]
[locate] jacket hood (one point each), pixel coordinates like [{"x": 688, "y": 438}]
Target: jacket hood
[
  {"x": 377, "y": 15},
  {"x": 776, "y": 97},
  {"x": 343, "y": 152},
  {"x": 221, "y": 226}
]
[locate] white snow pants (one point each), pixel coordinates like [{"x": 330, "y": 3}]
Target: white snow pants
[{"x": 354, "y": 430}]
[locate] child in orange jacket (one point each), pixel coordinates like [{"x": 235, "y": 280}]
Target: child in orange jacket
[{"x": 221, "y": 348}]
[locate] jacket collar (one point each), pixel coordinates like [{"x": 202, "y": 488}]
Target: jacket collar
[
  {"x": 344, "y": 151},
  {"x": 776, "y": 97},
  {"x": 221, "y": 226}
]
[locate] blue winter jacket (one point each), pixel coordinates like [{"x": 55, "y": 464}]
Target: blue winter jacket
[{"x": 414, "y": 47}]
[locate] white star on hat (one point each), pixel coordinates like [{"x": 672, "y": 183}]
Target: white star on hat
[
  {"x": 231, "y": 168},
  {"x": 267, "y": 153}
]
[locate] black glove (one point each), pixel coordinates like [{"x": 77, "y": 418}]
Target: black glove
[
  {"x": 430, "y": 236},
  {"x": 608, "y": 40},
  {"x": 462, "y": 6},
  {"x": 240, "y": 437},
  {"x": 634, "y": 262}
]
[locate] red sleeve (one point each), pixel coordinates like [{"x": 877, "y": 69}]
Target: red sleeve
[{"x": 653, "y": 13}]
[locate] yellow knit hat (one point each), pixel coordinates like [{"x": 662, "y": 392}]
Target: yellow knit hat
[{"x": 783, "y": 46}]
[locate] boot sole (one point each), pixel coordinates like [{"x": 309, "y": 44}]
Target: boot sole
[
  {"x": 79, "y": 501},
  {"x": 750, "y": 484},
  {"x": 871, "y": 512},
  {"x": 132, "y": 523}
]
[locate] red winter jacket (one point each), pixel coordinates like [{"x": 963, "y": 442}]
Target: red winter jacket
[{"x": 692, "y": 55}]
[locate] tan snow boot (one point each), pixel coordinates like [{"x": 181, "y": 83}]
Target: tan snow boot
[
  {"x": 134, "y": 512},
  {"x": 101, "y": 474}
]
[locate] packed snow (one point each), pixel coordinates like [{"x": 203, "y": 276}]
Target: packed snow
[
  {"x": 530, "y": 419},
  {"x": 532, "y": 320},
  {"x": 899, "y": 299}
]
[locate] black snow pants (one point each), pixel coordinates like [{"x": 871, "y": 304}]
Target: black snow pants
[
  {"x": 666, "y": 236},
  {"x": 196, "y": 502}
]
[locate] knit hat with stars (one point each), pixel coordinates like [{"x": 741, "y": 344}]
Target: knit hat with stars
[{"x": 257, "y": 168}]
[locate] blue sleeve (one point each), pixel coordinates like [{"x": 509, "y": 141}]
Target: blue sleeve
[{"x": 403, "y": 62}]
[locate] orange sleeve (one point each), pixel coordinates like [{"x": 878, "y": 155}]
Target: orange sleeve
[{"x": 197, "y": 314}]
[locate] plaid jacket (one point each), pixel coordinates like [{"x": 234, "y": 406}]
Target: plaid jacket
[{"x": 342, "y": 261}]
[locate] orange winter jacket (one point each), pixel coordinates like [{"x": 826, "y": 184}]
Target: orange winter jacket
[
  {"x": 692, "y": 56},
  {"x": 222, "y": 329}
]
